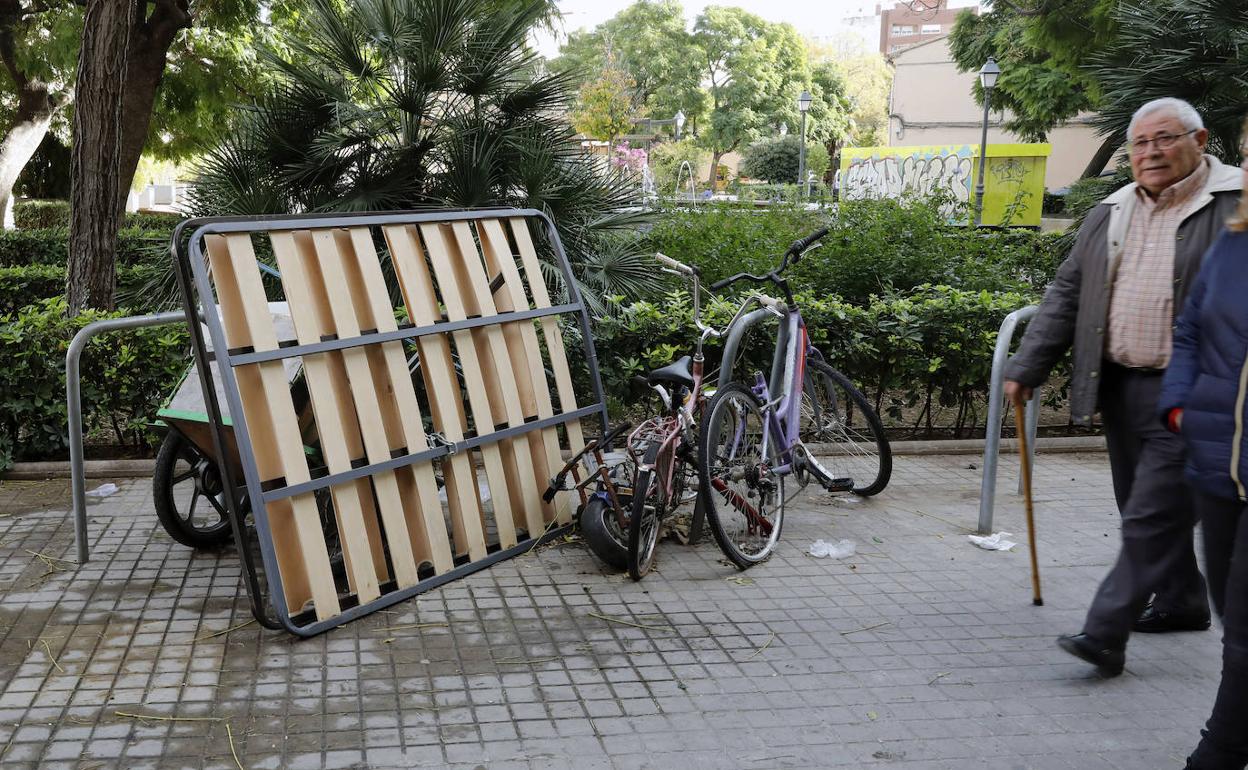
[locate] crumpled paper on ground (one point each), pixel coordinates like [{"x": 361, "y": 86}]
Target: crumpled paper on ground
[
  {"x": 994, "y": 542},
  {"x": 103, "y": 490},
  {"x": 841, "y": 549}
]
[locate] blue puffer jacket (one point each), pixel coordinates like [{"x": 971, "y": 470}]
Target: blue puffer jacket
[{"x": 1208, "y": 372}]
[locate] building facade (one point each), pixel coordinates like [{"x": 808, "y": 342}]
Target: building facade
[{"x": 917, "y": 21}]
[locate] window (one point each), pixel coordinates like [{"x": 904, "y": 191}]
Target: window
[
  {"x": 903, "y": 29},
  {"x": 931, "y": 29}
]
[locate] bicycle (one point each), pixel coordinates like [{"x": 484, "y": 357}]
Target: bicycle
[
  {"x": 751, "y": 441},
  {"x": 622, "y": 520}
]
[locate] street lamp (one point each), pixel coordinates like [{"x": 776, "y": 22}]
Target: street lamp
[
  {"x": 680, "y": 122},
  {"x": 803, "y": 106},
  {"x": 988, "y": 75}
]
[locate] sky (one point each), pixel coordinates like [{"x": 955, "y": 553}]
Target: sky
[{"x": 812, "y": 18}]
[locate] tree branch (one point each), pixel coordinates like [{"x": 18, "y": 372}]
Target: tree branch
[{"x": 1016, "y": 9}]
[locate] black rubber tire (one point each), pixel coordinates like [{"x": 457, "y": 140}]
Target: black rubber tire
[
  {"x": 184, "y": 519},
  {"x": 643, "y": 524},
  {"x": 598, "y": 528},
  {"x": 859, "y": 427},
  {"x": 717, "y": 510}
]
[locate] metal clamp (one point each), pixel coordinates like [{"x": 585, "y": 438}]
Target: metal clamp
[{"x": 437, "y": 439}]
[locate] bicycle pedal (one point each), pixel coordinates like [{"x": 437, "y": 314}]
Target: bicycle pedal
[{"x": 839, "y": 485}]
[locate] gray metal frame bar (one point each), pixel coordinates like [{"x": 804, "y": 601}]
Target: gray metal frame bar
[
  {"x": 193, "y": 275},
  {"x": 996, "y": 397},
  {"x": 73, "y": 404}
]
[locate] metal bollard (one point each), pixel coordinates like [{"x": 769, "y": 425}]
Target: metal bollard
[
  {"x": 73, "y": 403},
  {"x": 996, "y": 396}
]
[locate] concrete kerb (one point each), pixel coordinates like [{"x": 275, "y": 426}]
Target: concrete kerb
[{"x": 116, "y": 469}]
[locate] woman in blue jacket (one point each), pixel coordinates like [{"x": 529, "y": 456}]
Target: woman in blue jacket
[{"x": 1205, "y": 397}]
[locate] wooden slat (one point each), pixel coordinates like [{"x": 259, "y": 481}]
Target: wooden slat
[
  {"x": 401, "y": 409},
  {"x": 335, "y": 421},
  {"x": 500, "y": 379},
  {"x": 341, "y": 313},
  {"x": 525, "y": 353},
  {"x": 302, "y": 555},
  {"x": 438, "y": 370},
  {"x": 467, "y": 344}
]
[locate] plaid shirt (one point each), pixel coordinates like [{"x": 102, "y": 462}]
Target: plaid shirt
[{"x": 1141, "y": 305}]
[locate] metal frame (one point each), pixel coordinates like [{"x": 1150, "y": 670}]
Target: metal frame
[
  {"x": 996, "y": 395},
  {"x": 192, "y": 271}
]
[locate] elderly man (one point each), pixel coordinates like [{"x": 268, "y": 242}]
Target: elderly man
[{"x": 1114, "y": 299}]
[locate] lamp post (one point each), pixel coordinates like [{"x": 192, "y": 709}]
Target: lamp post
[
  {"x": 680, "y": 122},
  {"x": 988, "y": 75},
  {"x": 803, "y": 104}
]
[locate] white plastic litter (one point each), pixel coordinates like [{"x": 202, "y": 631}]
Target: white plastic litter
[
  {"x": 103, "y": 490},
  {"x": 841, "y": 549},
  {"x": 995, "y": 542}
]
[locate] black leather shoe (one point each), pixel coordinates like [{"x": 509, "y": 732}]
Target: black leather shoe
[
  {"x": 1108, "y": 660},
  {"x": 1154, "y": 621}
]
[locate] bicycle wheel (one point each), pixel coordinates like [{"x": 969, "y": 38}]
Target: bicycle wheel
[
  {"x": 603, "y": 535},
  {"x": 643, "y": 522},
  {"x": 839, "y": 424},
  {"x": 742, "y": 495},
  {"x": 188, "y": 495}
]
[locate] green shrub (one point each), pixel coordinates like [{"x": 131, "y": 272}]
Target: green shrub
[
  {"x": 50, "y": 247},
  {"x": 875, "y": 246},
  {"x": 40, "y": 215},
  {"x": 126, "y": 376},
  {"x": 666, "y": 160},
  {"x": 54, "y": 214},
  {"x": 28, "y": 284},
  {"x": 776, "y": 160},
  {"x": 923, "y": 357}
]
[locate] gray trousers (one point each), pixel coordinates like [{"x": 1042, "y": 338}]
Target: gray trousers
[{"x": 1157, "y": 556}]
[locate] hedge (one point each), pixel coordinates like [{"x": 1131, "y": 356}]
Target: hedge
[
  {"x": 54, "y": 214},
  {"x": 127, "y": 376},
  {"x": 50, "y": 247},
  {"x": 923, "y": 357},
  {"x": 27, "y": 284}
]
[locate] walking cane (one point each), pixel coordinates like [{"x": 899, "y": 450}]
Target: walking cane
[{"x": 1024, "y": 461}]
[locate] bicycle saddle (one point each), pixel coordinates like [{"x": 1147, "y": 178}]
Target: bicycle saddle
[{"x": 678, "y": 372}]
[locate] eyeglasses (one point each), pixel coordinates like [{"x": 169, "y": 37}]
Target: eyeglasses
[{"x": 1163, "y": 142}]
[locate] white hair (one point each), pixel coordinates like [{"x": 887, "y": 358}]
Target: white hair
[{"x": 1186, "y": 113}]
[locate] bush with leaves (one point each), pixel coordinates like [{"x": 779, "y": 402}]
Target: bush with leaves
[
  {"x": 51, "y": 247},
  {"x": 392, "y": 104},
  {"x": 132, "y": 373},
  {"x": 27, "y": 284},
  {"x": 777, "y": 160},
  {"x": 667, "y": 159}
]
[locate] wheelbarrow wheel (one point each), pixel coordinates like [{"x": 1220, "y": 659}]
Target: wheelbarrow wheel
[{"x": 189, "y": 495}]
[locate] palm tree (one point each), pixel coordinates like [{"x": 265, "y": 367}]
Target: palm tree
[{"x": 403, "y": 104}]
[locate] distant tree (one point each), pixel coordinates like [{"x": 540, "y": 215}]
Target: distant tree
[
  {"x": 604, "y": 108},
  {"x": 754, "y": 71},
  {"x": 776, "y": 160},
  {"x": 648, "y": 40},
  {"x": 865, "y": 81}
]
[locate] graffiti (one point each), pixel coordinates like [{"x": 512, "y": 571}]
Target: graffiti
[
  {"x": 916, "y": 174},
  {"x": 1010, "y": 176}
]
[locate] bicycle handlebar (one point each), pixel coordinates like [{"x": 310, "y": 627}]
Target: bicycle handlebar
[
  {"x": 672, "y": 264},
  {"x": 770, "y": 277},
  {"x": 802, "y": 244},
  {"x": 795, "y": 250}
]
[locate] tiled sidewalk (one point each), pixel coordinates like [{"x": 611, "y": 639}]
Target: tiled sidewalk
[{"x": 920, "y": 652}]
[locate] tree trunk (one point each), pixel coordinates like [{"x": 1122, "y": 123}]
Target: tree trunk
[
  {"x": 1103, "y": 155},
  {"x": 37, "y": 104},
  {"x": 35, "y": 110},
  {"x": 715, "y": 157},
  {"x": 95, "y": 163},
  {"x": 150, "y": 41}
]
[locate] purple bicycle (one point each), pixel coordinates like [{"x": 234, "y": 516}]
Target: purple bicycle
[{"x": 752, "y": 439}]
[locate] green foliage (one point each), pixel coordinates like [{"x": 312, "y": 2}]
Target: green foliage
[
  {"x": 399, "y": 105},
  {"x": 874, "y": 247},
  {"x": 604, "y": 109},
  {"x": 130, "y": 375},
  {"x": 666, "y": 160},
  {"x": 912, "y": 353},
  {"x": 1195, "y": 49},
  {"x": 50, "y": 247},
  {"x": 28, "y": 284},
  {"x": 776, "y": 160},
  {"x": 39, "y": 215},
  {"x": 647, "y": 40}
]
